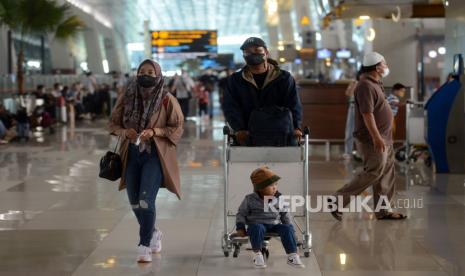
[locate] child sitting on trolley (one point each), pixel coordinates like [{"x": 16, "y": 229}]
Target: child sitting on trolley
[{"x": 260, "y": 221}]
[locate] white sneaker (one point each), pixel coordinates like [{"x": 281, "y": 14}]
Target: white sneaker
[
  {"x": 293, "y": 259},
  {"x": 144, "y": 254},
  {"x": 259, "y": 260},
  {"x": 155, "y": 243}
]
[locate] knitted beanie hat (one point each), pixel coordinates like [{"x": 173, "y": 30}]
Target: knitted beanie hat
[{"x": 263, "y": 177}]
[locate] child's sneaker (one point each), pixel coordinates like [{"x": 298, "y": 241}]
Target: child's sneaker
[
  {"x": 144, "y": 254},
  {"x": 294, "y": 260},
  {"x": 155, "y": 243},
  {"x": 259, "y": 260}
]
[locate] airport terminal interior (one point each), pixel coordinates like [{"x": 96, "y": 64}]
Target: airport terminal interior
[{"x": 340, "y": 87}]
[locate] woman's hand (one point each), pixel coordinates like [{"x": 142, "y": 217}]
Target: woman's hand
[
  {"x": 131, "y": 134},
  {"x": 147, "y": 134}
]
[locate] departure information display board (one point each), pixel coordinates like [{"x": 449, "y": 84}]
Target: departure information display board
[{"x": 184, "y": 41}]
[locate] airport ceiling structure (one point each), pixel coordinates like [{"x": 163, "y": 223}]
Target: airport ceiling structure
[
  {"x": 237, "y": 19},
  {"x": 230, "y": 17}
]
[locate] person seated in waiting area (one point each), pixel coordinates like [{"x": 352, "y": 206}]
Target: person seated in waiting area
[
  {"x": 398, "y": 92},
  {"x": 261, "y": 83},
  {"x": 7, "y": 123},
  {"x": 22, "y": 123},
  {"x": 260, "y": 221}
]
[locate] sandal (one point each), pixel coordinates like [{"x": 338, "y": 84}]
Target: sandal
[{"x": 392, "y": 216}]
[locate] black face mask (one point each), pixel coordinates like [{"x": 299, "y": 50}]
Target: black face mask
[
  {"x": 147, "y": 81},
  {"x": 254, "y": 59}
]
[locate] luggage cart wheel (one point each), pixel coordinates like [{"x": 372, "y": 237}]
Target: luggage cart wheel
[
  {"x": 226, "y": 130},
  {"x": 307, "y": 254},
  {"x": 265, "y": 252},
  {"x": 237, "y": 249},
  {"x": 226, "y": 253}
]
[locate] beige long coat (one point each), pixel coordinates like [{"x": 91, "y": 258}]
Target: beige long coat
[{"x": 168, "y": 126}]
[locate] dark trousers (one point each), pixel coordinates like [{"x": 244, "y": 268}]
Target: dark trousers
[
  {"x": 184, "y": 103},
  {"x": 143, "y": 180},
  {"x": 203, "y": 108},
  {"x": 257, "y": 233}
]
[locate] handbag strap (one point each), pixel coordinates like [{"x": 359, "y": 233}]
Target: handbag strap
[{"x": 117, "y": 142}]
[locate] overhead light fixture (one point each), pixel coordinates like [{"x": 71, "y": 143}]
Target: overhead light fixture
[
  {"x": 282, "y": 60},
  {"x": 298, "y": 47},
  {"x": 106, "y": 67},
  {"x": 343, "y": 258},
  {"x": 442, "y": 50},
  {"x": 371, "y": 34},
  {"x": 446, "y": 3},
  {"x": 33, "y": 64},
  {"x": 432, "y": 54},
  {"x": 281, "y": 48},
  {"x": 84, "y": 66},
  {"x": 364, "y": 17}
]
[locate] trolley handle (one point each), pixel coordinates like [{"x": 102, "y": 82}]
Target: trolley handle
[
  {"x": 306, "y": 132},
  {"x": 227, "y": 130}
]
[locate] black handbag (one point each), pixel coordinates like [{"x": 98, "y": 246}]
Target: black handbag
[{"x": 111, "y": 165}]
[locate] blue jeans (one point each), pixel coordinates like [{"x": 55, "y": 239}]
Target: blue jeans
[
  {"x": 143, "y": 177},
  {"x": 23, "y": 130},
  {"x": 350, "y": 125},
  {"x": 2, "y": 130},
  {"x": 257, "y": 233}
]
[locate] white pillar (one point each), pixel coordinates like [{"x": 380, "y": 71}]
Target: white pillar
[
  {"x": 273, "y": 37},
  {"x": 3, "y": 51},
  {"x": 399, "y": 50},
  {"x": 454, "y": 35},
  {"x": 285, "y": 25},
  {"x": 61, "y": 55},
  {"x": 94, "y": 53}
]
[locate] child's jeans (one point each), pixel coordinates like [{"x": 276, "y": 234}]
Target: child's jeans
[{"x": 257, "y": 233}]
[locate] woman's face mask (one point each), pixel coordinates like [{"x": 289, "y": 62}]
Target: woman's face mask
[
  {"x": 147, "y": 81},
  {"x": 147, "y": 77}
]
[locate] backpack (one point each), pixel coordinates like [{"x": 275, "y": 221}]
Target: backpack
[{"x": 270, "y": 126}]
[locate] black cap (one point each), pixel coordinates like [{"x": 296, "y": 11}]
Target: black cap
[{"x": 253, "y": 41}]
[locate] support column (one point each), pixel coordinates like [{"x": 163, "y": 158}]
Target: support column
[
  {"x": 4, "y": 51},
  {"x": 286, "y": 30},
  {"x": 400, "y": 50},
  {"x": 62, "y": 58},
  {"x": 273, "y": 37},
  {"x": 454, "y": 35},
  {"x": 94, "y": 53}
]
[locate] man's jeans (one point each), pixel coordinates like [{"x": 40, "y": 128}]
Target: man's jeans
[
  {"x": 143, "y": 177},
  {"x": 257, "y": 233}
]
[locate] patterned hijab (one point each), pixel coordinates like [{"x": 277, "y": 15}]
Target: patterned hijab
[{"x": 141, "y": 103}]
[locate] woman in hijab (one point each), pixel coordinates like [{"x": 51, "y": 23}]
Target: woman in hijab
[{"x": 149, "y": 122}]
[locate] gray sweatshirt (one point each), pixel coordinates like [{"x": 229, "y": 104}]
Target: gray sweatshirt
[{"x": 252, "y": 211}]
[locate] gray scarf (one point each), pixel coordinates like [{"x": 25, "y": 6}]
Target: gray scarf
[{"x": 141, "y": 103}]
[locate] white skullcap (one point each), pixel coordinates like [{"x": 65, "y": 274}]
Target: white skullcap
[{"x": 372, "y": 58}]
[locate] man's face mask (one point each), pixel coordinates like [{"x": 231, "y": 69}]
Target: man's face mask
[
  {"x": 147, "y": 81},
  {"x": 254, "y": 59}
]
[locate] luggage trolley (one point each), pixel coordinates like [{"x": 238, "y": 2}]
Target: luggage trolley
[{"x": 291, "y": 163}]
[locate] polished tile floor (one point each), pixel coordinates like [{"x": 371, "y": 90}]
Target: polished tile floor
[{"x": 58, "y": 218}]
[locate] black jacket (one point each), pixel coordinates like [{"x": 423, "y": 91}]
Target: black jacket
[{"x": 279, "y": 89}]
